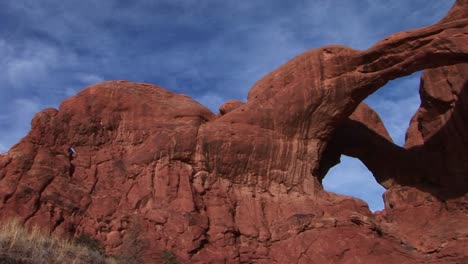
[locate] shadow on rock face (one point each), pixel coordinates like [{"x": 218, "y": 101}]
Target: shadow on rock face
[{"x": 245, "y": 186}]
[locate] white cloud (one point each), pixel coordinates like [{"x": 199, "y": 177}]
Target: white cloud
[{"x": 28, "y": 64}]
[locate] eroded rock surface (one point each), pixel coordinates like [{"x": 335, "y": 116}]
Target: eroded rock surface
[
  {"x": 145, "y": 170},
  {"x": 229, "y": 106}
]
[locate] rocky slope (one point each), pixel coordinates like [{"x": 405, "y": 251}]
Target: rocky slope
[{"x": 145, "y": 170}]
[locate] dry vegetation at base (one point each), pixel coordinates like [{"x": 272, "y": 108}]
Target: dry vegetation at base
[{"x": 34, "y": 246}]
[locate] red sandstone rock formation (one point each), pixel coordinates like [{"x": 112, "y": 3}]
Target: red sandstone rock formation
[
  {"x": 144, "y": 170},
  {"x": 230, "y": 106}
]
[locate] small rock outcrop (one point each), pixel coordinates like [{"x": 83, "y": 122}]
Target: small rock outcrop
[
  {"x": 146, "y": 171},
  {"x": 229, "y": 106}
]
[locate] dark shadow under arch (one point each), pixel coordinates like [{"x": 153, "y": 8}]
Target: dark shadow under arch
[{"x": 438, "y": 165}]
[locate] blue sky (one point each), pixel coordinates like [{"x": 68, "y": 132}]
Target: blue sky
[{"x": 211, "y": 50}]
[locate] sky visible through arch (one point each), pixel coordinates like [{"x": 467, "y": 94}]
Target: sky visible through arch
[
  {"x": 210, "y": 50},
  {"x": 396, "y": 103}
]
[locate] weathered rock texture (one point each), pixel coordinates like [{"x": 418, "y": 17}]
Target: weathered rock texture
[{"x": 144, "y": 170}]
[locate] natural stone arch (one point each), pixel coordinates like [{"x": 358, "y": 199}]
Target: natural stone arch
[
  {"x": 293, "y": 111},
  {"x": 245, "y": 186}
]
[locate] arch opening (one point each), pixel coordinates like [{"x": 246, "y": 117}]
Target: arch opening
[
  {"x": 352, "y": 178},
  {"x": 396, "y": 103}
]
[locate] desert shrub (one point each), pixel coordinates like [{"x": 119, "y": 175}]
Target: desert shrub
[
  {"x": 37, "y": 246},
  {"x": 86, "y": 240},
  {"x": 133, "y": 243},
  {"x": 167, "y": 257}
]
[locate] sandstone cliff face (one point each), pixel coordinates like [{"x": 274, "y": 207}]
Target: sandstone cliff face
[{"x": 143, "y": 169}]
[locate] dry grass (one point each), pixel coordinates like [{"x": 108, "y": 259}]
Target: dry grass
[{"x": 21, "y": 245}]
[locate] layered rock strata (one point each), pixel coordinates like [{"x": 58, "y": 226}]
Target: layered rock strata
[{"x": 145, "y": 170}]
